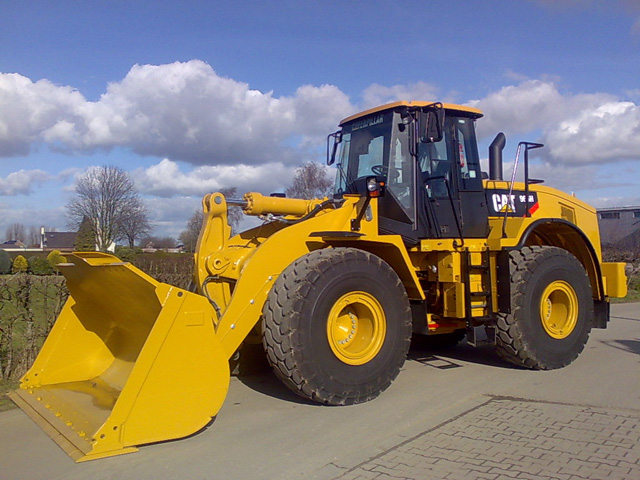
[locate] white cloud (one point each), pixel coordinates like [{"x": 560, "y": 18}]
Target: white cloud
[
  {"x": 32, "y": 111},
  {"x": 173, "y": 192},
  {"x": 184, "y": 111},
  {"x": 187, "y": 112},
  {"x": 377, "y": 94},
  {"x": 68, "y": 173},
  {"x": 317, "y": 111},
  {"x": 569, "y": 178},
  {"x": 610, "y": 131},
  {"x": 530, "y": 105},
  {"x": 168, "y": 216},
  {"x": 30, "y": 217},
  {"x": 215, "y": 132},
  {"x": 576, "y": 129},
  {"x": 22, "y": 182},
  {"x": 165, "y": 179}
]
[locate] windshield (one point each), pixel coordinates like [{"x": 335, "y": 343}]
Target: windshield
[
  {"x": 377, "y": 145},
  {"x": 364, "y": 151}
]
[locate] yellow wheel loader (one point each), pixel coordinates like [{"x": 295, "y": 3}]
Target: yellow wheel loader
[{"x": 415, "y": 240}]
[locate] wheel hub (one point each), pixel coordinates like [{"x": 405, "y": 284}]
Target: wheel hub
[
  {"x": 559, "y": 309},
  {"x": 356, "y": 328}
]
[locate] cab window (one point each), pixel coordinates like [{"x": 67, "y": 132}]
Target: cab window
[
  {"x": 435, "y": 166},
  {"x": 467, "y": 155},
  {"x": 399, "y": 179}
]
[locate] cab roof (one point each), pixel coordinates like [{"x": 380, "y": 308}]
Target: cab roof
[{"x": 466, "y": 111}]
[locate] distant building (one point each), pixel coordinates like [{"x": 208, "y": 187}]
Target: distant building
[
  {"x": 61, "y": 241},
  {"x": 64, "y": 242},
  {"x": 13, "y": 245},
  {"x": 151, "y": 248},
  {"x": 618, "y": 224}
]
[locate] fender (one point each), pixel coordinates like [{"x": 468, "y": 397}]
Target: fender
[{"x": 559, "y": 233}]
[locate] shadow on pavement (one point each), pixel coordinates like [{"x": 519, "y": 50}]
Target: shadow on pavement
[
  {"x": 441, "y": 357},
  {"x": 630, "y": 346},
  {"x": 613, "y": 317},
  {"x": 252, "y": 369},
  {"x": 268, "y": 384}
]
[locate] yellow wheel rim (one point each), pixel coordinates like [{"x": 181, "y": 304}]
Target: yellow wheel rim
[
  {"x": 356, "y": 328},
  {"x": 559, "y": 309}
]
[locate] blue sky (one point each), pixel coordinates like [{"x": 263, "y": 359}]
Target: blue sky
[{"x": 190, "y": 97}]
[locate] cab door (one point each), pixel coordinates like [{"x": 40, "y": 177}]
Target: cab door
[{"x": 453, "y": 199}]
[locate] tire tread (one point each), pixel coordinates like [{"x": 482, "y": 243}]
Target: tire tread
[
  {"x": 510, "y": 344},
  {"x": 285, "y": 303}
]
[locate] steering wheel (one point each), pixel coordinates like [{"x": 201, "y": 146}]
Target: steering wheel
[{"x": 380, "y": 170}]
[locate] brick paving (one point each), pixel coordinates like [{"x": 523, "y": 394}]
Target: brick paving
[{"x": 507, "y": 438}]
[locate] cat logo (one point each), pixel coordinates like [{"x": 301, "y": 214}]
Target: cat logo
[{"x": 504, "y": 203}]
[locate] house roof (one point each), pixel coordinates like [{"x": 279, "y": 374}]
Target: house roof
[
  {"x": 619, "y": 209},
  {"x": 60, "y": 240},
  {"x": 12, "y": 244}
]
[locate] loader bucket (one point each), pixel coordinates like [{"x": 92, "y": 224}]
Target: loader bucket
[{"x": 129, "y": 361}]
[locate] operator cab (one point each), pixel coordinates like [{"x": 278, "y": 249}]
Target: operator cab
[{"x": 426, "y": 155}]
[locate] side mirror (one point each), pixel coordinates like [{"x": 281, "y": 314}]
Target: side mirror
[
  {"x": 336, "y": 137},
  {"x": 431, "y": 125}
]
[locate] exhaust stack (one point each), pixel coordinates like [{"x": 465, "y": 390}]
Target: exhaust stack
[{"x": 495, "y": 156}]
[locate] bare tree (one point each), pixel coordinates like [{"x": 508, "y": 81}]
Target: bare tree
[
  {"x": 34, "y": 236},
  {"x": 106, "y": 196},
  {"x": 16, "y": 231},
  {"x": 311, "y": 181},
  {"x": 135, "y": 223},
  {"x": 189, "y": 236},
  {"x": 234, "y": 214}
]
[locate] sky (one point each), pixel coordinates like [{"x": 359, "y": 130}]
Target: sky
[{"x": 193, "y": 96}]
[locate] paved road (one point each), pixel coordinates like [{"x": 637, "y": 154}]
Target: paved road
[
  {"x": 514, "y": 438},
  {"x": 460, "y": 413}
]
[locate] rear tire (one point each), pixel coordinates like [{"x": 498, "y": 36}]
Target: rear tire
[
  {"x": 337, "y": 326},
  {"x": 551, "y": 309}
]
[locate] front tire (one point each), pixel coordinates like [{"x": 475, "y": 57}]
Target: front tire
[
  {"x": 337, "y": 326},
  {"x": 551, "y": 309}
]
